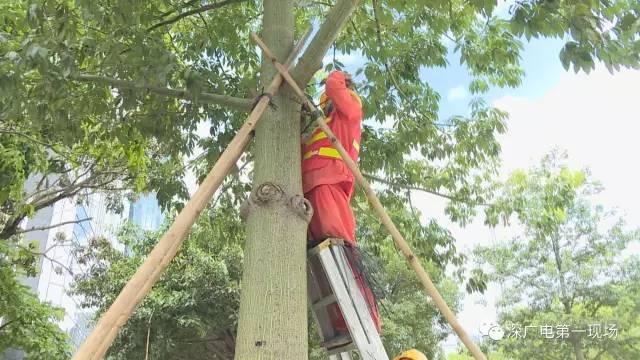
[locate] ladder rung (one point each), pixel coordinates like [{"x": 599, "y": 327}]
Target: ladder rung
[
  {"x": 327, "y": 300},
  {"x": 342, "y": 349},
  {"x": 331, "y": 280},
  {"x": 338, "y": 342},
  {"x": 341, "y": 356}
]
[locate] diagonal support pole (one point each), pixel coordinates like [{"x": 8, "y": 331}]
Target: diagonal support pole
[
  {"x": 106, "y": 330},
  {"x": 430, "y": 288}
]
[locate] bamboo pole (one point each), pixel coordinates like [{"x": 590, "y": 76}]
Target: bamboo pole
[
  {"x": 430, "y": 288},
  {"x": 101, "y": 338}
]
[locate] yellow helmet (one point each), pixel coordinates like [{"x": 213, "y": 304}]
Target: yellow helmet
[
  {"x": 324, "y": 99},
  {"x": 412, "y": 354}
]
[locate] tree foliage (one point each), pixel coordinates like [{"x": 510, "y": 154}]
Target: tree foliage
[
  {"x": 59, "y": 57},
  {"x": 98, "y": 95},
  {"x": 567, "y": 269},
  {"x": 26, "y": 324},
  {"x": 192, "y": 312}
]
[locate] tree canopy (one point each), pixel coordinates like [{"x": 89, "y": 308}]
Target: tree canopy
[
  {"x": 131, "y": 80},
  {"x": 192, "y": 312},
  {"x": 107, "y": 96},
  {"x": 26, "y": 323},
  {"x": 567, "y": 278}
]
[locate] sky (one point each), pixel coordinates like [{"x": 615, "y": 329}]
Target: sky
[{"x": 593, "y": 117}]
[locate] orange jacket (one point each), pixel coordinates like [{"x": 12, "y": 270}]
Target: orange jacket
[{"x": 321, "y": 162}]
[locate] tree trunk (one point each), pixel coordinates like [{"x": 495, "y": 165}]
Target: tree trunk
[
  {"x": 564, "y": 298},
  {"x": 273, "y": 306},
  {"x": 577, "y": 347},
  {"x": 11, "y": 227}
]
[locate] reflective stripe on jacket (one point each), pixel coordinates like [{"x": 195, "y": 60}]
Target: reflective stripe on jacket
[
  {"x": 345, "y": 121},
  {"x": 320, "y": 145}
]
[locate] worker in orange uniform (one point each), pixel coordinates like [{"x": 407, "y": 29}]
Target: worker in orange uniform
[
  {"x": 412, "y": 354},
  {"x": 329, "y": 184}
]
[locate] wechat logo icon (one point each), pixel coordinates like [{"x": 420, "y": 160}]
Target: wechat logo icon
[{"x": 492, "y": 330}]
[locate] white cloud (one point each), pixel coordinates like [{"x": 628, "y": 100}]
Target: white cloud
[
  {"x": 595, "y": 118},
  {"x": 457, "y": 93},
  {"x": 347, "y": 60}
]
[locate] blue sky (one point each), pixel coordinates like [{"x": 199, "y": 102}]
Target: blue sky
[{"x": 539, "y": 59}]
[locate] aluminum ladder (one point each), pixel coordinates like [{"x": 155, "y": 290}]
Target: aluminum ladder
[{"x": 330, "y": 281}]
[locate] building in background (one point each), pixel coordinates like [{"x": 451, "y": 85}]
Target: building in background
[
  {"x": 146, "y": 212},
  {"x": 58, "y": 266}
]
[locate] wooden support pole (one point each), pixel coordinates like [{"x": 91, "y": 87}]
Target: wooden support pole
[
  {"x": 430, "y": 288},
  {"x": 102, "y": 336}
]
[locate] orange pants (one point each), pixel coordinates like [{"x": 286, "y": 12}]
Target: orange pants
[{"x": 333, "y": 217}]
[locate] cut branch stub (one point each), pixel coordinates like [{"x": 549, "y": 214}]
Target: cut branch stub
[
  {"x": 271, "y": 194},
  {"x": 301, "y": 207},
  {"x": 266, "y": 193}
]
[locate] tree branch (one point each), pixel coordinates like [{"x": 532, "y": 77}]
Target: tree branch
[
  {"x": 199, "y": 10},
  {"x": 32, "y": 139},
  {"x": 63, "y": 194},
  {"x": 412, "y": 187},
  {"x": 413, "y": 210},
  {"x": 63, "y": 266},
  {"x": 51, "y": 197},
  {"x": 178, "y": 7},
  {"x": 311, "y": 60},
  {"x": 29, "y": 137},
  {"x": 223, "y": 100},
  {"x": 44, "y": 255},
  {"x": 380, "y": 45},
  {"x": 146, "y": 353},
  {"x": 39, "y": 228},
  {"x": 42, "y": 179},
  {"x": 6, "y": 324}
]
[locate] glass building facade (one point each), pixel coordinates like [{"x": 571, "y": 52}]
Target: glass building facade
[
  {"x": 59, "y": 266},
  {"x": 146, "y": 212}
]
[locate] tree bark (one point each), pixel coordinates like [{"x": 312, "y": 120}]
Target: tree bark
[{"x": 273, "y": 306}]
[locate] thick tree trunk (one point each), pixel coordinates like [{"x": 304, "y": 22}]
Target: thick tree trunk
[{"x": 273, "y": 306}]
